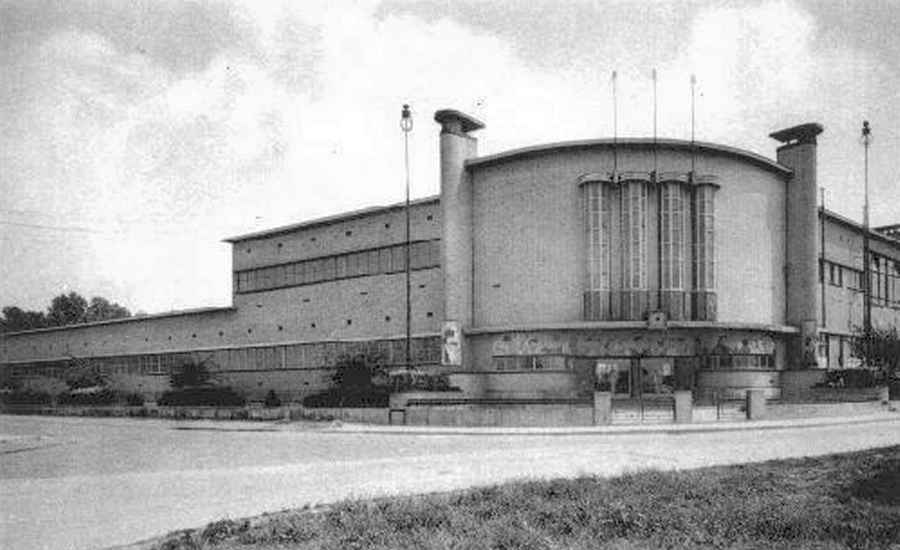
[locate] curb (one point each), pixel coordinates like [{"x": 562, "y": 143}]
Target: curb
[{"x": 669, "y": 429}]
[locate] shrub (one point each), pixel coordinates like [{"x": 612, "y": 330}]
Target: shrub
[
  {"x": 850, "y": 378},
  {"x": 373, "y": 397},
  {"x": 272, "y": 399},
  {"x": 102, "y": 396},
  {"x": 134, "y": 400},
  {"x": 204, "y": 396},
  {"x": 26, "y": 397},
  {"x": 422, "y": 381},
  {"x": 84, "y": 375},
  {"x": 190, "y": 374}
]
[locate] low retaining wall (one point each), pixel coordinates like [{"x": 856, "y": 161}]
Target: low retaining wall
[
  {"x": 784, "y": 411},
  {"x": 293, "y": 412},
  {"x": 369, "y": 415},
  {"x": 835, "y": 395},
  {"x": 531, "y": 415}
]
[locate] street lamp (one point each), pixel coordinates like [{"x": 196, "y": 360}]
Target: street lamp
[
  {"x": 866, "y": 139},
  {"x": 406, "y": 124}
]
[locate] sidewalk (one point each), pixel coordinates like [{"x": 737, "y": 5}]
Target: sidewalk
[{"x": 338, "y": 427}]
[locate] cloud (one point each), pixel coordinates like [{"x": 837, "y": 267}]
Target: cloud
[{"x": 166, "y": 130}]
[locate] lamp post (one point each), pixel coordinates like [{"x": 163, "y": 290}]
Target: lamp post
[
  {"x": 406, "y": 124},
  {"x": 866, "y": 139}
]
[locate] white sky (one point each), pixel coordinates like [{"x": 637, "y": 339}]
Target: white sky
[{"x": 134, "y": 136}]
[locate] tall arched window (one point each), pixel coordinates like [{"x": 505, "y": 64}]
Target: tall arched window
[
  {"x": 674, "y": 233},
  {"x": 633, "y": 234},
  {"x": 598, "y": 200},
  {"x": 704, "y": 245}
]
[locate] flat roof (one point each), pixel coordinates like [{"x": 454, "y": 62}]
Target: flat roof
[
  {"x": 327, "y": 220},
  {"x": 668, "y": 144},
  {"x": 873, "y": 232},
  {"x": 132, "y": 319}
]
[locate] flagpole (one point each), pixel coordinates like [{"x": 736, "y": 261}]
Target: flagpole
[
  {"x": 693, "y": 115},
  {"x": 615, "y": 125},
  {"x": 654, "y": 122}
]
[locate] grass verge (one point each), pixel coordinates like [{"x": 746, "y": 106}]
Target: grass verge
[{"x": 837, "y": 501}]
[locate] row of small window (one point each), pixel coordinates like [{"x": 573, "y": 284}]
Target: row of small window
[
  {"x": 884, "y": 275},
  {"x": 531, "y": 363},
  {"x": 424, "y": 351},
  {"x": 562, "y": 362},
  {"x": 375, "y": 261},
  {"x": 738, "y": 361},
  {"x": 840, "y": 275}
]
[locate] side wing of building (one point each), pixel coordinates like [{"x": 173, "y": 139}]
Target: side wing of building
[{"x": 303, "y": 297}]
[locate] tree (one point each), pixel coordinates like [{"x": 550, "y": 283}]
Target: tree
[
  {"x": 15, "y": 319},
  {"x": 880, "y": 349},
  {"x": 101, "y": 309},
  {"x": 67, "y": 309}
]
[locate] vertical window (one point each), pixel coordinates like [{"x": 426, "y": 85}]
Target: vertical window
[
  {"x": 704, "y": 239},
  {"x": 673, "y": 234},
  {"x": 597, "y": 214},
  {"x": 598, "y": 201},
  {"x": 634, "y": 234}
]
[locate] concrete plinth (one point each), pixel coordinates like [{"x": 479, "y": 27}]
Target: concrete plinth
[
  {"x": 684, "y": 407},
  {"x": 756, "y": 404},
  {"x": 602, "y": 408}
]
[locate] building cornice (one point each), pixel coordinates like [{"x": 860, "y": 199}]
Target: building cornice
[
  {"x": 207, "y": 349},
  {"x": 835, "y": 217},
  {"x": 631, "y": 325},
  {"x": 632, "y": 143},
  {"x": 132, "y": 319},
  {"x": 328, "y": 220}
]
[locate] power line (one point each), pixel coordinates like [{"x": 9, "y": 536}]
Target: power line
[{"x": 53, "y": 227}]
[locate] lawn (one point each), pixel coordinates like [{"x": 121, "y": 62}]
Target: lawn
[{"x": 837, "y": 501}]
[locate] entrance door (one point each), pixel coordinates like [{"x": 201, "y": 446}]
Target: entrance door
[
  {"x": 656, "y": 376},
  {"x": 614, "y": 375}
]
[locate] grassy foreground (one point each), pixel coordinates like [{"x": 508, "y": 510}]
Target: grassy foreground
[{"x": 838, "y": 501}]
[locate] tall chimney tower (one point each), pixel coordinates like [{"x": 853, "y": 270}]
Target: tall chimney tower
[
  {"x": 456, "y": 212},
  {"x": 798, "y": 153}
]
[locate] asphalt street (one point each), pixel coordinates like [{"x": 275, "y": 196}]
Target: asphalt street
[{"x": 93, "y": 483}]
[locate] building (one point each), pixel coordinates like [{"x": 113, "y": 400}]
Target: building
[{"x": 641, "y": 265}]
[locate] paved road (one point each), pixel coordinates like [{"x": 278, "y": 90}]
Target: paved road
[{"x": 91, "y": 483}]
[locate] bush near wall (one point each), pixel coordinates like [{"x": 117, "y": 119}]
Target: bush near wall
[
  {"x": 851, "y": 378},
  {"x": 372, "y": 397},
  {"x": 103, "y": 396},
  {"x": 202, "y": 396},
  {"x": 26, "y": 397}
]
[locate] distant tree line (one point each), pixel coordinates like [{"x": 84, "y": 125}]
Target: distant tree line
[{"x": 65, "y": 309}]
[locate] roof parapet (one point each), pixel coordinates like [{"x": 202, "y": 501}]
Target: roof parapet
[
  {"x": 455, "y": 122},
  {"x": 802, "y": 133}
]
